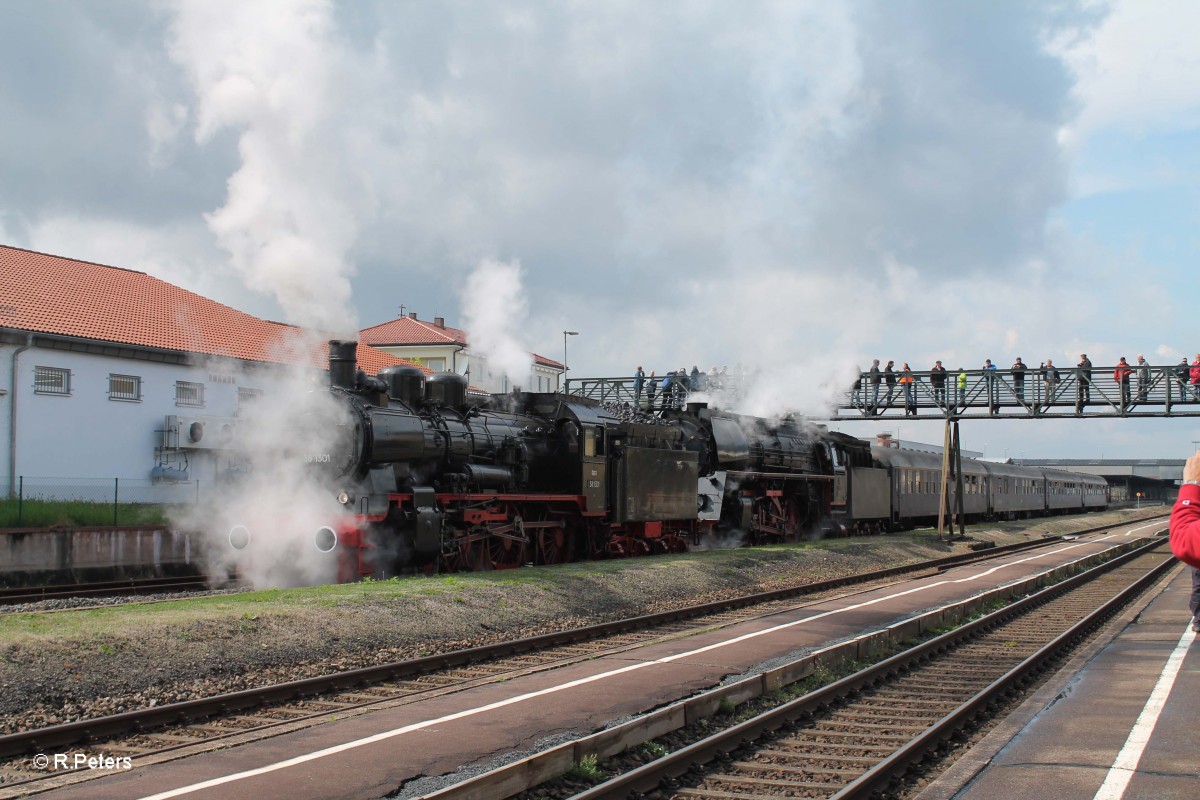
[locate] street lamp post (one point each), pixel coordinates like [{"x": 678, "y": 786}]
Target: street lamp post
[{"x": 566, "y": 369}]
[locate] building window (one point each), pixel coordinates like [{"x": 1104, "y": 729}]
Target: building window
[
  {"x": 125, "y": 387},
  {"x": 51, "y": 380},
  {"x": 248, "y": 395},
  {"x": 436, "y": 364},
  {"x": 189, "y": 394}
]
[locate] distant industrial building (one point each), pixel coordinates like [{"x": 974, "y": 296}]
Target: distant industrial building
[{"x": 1153, "y": 478}]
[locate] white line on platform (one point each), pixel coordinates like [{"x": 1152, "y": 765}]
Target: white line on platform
[
  {"x": 470, "y": 712},
  {"x": 1157, "y": 523},
  {"x": 1125, "y": 766}
]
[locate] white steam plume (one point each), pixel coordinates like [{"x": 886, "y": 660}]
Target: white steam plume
[
  {"x": 494, "y": 312},
  {"x": 278, "y": 491},
  {"x": 295, "y": 205}
]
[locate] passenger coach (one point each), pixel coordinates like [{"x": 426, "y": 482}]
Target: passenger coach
[{"x": 990, "y": 491}]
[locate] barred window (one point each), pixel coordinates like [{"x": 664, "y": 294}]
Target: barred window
[
  {"x": 248, "y": 396},
  {"x": 51, "y": 380},
  {"x": 189, "y": 394},
  {"x": 125, "y": 387}
]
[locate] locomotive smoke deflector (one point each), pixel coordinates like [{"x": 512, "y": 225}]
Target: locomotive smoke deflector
[{"x": 343, "y": 363}]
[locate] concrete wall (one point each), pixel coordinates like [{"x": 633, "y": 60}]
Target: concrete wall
[{"x": 34, "y": 556}]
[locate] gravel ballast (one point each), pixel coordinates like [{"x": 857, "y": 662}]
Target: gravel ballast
[{"x": 58, "y": 667}]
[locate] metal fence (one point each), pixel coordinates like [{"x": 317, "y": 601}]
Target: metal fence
[
  {"x": 35, "y": 501},
  {"x": 661, "y": 392}
]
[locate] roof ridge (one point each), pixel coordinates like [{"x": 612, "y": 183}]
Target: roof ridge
[
  {"x": 79, "y": 261},
  {"x": 441, "y": 331}
]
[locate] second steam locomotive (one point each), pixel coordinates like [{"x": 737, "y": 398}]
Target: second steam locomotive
[{"x": 430, "y": 478}]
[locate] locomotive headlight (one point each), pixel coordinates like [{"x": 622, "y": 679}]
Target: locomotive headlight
[{"x": 344, "y": 498}]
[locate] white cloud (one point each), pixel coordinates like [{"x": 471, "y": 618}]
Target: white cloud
[
  {"x": 1137, "y": 69},
  {"x": 271, "y": 71}
]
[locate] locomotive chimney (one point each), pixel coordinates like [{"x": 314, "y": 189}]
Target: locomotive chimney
[{"x": 343, "y": 363}]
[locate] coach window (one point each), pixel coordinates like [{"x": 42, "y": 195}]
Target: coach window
[
  {"x": 589, "y": 442},
  {"x": 51, "y": 380},
  {"x": 125, "y": 387},
  {"x": 190, "y": 394}
]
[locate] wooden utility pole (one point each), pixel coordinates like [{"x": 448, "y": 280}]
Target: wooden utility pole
[
  {"x": 945, "y": 477},
  {"x": 958, "y": 471}
]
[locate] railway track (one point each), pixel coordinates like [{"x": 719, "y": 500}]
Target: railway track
[
  {"x": 859, "y": 735},
  {"x": 128, "y": 586},
  {"x": 193, "y": 726}
]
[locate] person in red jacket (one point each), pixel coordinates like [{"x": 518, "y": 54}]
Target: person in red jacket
[
  {"x": 1195, "y": 374},
  {"x": 1185, "y": 529},
  {"x": 1121, "y": 378}
]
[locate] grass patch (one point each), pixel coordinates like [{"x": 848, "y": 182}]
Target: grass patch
[
  {"x": 588, "y": 769},
  {"x": 34, "y": 513}
]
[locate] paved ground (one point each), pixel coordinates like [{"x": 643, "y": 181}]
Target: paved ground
[{"x": 376, "y": 754}]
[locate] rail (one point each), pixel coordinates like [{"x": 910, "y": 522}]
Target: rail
[
  {"x": 659, "y": 773},
  {"x": 145, "y": 719}
]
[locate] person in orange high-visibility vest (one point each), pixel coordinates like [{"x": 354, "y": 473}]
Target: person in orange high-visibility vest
[{"x": 906, "y": 384}]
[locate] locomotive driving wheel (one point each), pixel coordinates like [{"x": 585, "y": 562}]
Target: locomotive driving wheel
[
  {"x": 671, "y": 543},
  {"x": 459, "y": 554},
  {"x": 504, "y": 553},
  {"x": 552, "y": 545}
]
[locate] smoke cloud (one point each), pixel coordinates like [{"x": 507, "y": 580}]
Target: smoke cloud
[
  {"x": 495, "y": 311},
  {"x": 273, "y": 483}
]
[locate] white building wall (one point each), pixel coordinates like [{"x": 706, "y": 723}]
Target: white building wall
[{"x": 87, "y": 435}]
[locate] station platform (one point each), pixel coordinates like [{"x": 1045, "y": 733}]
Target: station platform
[{"x": 1119, "y": 721}]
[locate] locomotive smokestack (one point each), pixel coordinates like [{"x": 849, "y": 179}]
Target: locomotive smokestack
[{"x": 343, "y": 363}]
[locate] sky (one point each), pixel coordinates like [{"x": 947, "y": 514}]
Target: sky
[{"x": 801, "y": 186}]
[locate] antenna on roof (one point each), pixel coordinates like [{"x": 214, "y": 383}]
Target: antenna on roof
[{"x": 402, "y": 307}]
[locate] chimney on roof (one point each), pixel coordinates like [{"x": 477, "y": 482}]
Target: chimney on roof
[
  {"x": 412, "y": 315},
  {"x": 439, "y": 321}
]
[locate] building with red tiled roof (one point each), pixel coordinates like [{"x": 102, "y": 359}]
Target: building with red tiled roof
[
  {"x": 97, "y": 358},
  {"x": 440, "y": 347}
]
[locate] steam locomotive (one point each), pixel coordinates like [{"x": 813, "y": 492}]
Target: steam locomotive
[{"x": 433, "y": 479}]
